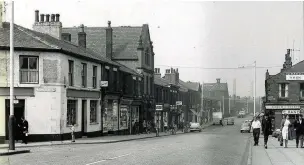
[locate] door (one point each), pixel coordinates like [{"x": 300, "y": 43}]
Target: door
[
  {"x": 84, "y": 118},
  {"x": 18, "y": 113}
]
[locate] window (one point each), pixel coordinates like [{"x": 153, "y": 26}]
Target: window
[
  {"x": 302, "y": 89},
  {"x": 71, "y": 112},
  {"x": 147, "y": 57},
  {"x": 84, "y": 75},
  {"x": 71, "y": 73},
  {"x": 94, "y": 79},
  {"x": 151, "y": 85},
  {"x": 283, "y": 90},
  {"x": 107, "y": 75},
  {"x": 135, "y": 86},
  {"x": 29, "y": 72},
  {"x": 115, "y": 82},
  {"x": 139, "y": 87},
  {"x": 93, "y": 111}
]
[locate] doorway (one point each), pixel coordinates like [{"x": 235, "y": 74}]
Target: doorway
[
  {"x": 84, "y": 118},
  {"x": 18, "y": 113}
]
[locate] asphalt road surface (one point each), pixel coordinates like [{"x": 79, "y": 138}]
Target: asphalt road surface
[{"x": 215, "y": 145}]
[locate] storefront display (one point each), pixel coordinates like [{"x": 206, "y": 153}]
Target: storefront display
[{"x": 124, "y": 117}]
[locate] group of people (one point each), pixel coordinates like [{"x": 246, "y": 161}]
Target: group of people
[{"x": 286, "y": 125}]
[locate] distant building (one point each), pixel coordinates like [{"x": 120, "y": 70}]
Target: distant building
[{"x": 218, "y": 91}]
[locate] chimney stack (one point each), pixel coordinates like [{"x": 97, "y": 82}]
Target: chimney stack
[
  {"x": 82, "y": 37},
  {"x": 157, "y": 72},
  {"x": 218, "y": 80},
  {"x": 47, "y": 17},
  {"x": 57, "y": 17},
  {"x": 53, "y": 18},
  {"x": 36, "y": 15},
  {"x": 47, "y": 26},
  {"x": 66, "y": 37},
  {"x": 41, "y": 17},
  {"x": 109, "y": 41}
]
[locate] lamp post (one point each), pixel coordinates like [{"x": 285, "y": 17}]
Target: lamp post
[
  {"x": 11, "y": 122},
  {"x": 254, "y": 90}
]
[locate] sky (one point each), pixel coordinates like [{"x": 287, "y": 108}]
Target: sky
[{"x": 196, "y": 37}]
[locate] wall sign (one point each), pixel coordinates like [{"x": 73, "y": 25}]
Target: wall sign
[
  {"x": 295, "y": 76},
  {"x": 293, "y": 112},
  {"x": 46, "y": 89},
  {"x": 159, "y": 107},
  {"x": 282, "y": 107}
]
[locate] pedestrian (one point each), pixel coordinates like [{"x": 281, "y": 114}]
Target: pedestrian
[
  {"x": 145, "y": 126},
  {"x": 137, "y": 127},
  {"x": 165, "y": 126},
  {"x": 221, "y": 122},
  {"x": 73, "y": 132},
  {"x": 285, "y": 124},
  {"x": 266, "y": 128},
  {"x": 256, "y": 127},
  {"x": 299, "y": 128},
  {"x": 24, "y": 128}
]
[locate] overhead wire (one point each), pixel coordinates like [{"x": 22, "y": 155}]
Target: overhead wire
[{"x": 221, "y": 68}]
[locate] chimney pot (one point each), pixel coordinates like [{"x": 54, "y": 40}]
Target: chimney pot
[
  {"x": 57, "y": 17},
  {"x": 109, "y": 23},
  {"x": 47, "y": 18},
  {"x": 82, "y": 40},
  {"x": 218, "y": 80},
  {"x": 41, "y": 17},
  {"x": 36, "y": 15},
  {"x": 53, "y": 18},
  {"x": 82, "y": 27}
]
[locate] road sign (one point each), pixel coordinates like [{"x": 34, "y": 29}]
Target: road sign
[{"x": 104, "y": 83}]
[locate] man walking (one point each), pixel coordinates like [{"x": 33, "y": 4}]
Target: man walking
[
  {"x": 266, "y": 128},
  {"x": 299, "y": 127},
  {"x": 24, "y": 130},
  {"x": 256, "y": 127}
]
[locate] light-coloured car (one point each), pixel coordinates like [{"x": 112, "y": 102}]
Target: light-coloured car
[
  {"x": 230, "y": 121},
  {"x": 195, "y": 127},
  {"x": 245, "y": 128}
]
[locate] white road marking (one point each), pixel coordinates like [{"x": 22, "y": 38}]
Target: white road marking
[{"x": 108, "y": 159}]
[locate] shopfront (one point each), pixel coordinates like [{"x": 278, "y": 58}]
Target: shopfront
[
  {"x": 276, "y": 113},
  {"x": 111, "y": 114},
  {"x": 125, "y": 114}
]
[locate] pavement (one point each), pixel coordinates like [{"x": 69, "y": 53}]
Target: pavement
[
  {"x": 276, "y": 154},
  {"x": 215, "y": 145}
]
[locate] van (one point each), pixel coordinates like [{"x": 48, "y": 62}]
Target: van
[{"x": 230, "y": 121}]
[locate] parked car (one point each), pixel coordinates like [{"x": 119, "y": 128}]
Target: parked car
[
  {"x": 195, "y": 127},
  {"x": 245, "y": 128},
  {"x": 230, "y": 121},
  {"x": 276, "y": 133}
]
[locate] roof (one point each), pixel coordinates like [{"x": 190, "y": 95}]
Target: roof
[
  {"x": 125, "y": 40},
  {"x": 299, "y": 67},
  {"x": 26, "y": 38},
  {"x": 190, "y": 85},
  {"x": 160, "y": 81},
  {"x": 215, "y": 87}
]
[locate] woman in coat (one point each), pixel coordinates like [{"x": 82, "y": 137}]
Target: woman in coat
[{"x": 285, "y": 124}]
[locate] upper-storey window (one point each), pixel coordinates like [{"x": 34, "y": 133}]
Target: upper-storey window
[
  {"x": 283, "y": 90},
  {"x": 94, "y": 78},
  {"x": 84, "y": 75},
  {"x": 71, "y": 73},
  {"x": 28, "y": 69},
  {"x": 302, "y": 89}
]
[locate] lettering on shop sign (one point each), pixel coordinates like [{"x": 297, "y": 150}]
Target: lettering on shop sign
[
  {"x": 282, "y": 107},
  {"x": 46, "y": 89},
  {"x": 159, "y": 107},
  {"x": 291, "y": 112},
  {"x": 295, "y": 76}
]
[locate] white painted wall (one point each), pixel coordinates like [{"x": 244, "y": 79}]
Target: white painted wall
[{"x": 46, "y": 112}]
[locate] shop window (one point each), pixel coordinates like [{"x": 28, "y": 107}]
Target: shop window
[
  {"x": 283, "y": 90},
  {"x": 71, "y": 112},
  {"x": 302, "y": 89},
  {"x": 93, "y": 111},
  {"x": 28, "y": 70}
]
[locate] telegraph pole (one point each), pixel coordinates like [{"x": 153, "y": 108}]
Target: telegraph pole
[
  {"x": 254, "y": 90},
  {"x": 11, "y": 122}
]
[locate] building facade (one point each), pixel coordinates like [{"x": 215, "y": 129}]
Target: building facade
[{"x": 284, "y": 91}]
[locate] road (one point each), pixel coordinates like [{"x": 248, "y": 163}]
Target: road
[{"x": 215, "y": 145}]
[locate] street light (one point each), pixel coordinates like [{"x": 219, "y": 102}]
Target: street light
[{"x": 11, "y": 122}]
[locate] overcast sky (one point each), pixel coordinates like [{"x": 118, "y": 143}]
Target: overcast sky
[{"x": 194, "y": 34}]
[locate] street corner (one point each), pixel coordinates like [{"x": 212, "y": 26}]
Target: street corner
[{"x": 6, "y": 152}]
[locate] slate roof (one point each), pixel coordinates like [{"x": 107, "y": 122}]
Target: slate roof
[
  {"x": 125, "y": 40},
  {"x": 26, "y": 38},
  {"x": 215, "y": 87},
  {"x": 298, "y": 67},
  {"x": 190, "y": 85},
  {"x": 160, "y": 81}
]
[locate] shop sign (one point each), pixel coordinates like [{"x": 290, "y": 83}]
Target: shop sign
[
  {"x": 46, "y": 89},
  {"x": 295, "y": 76},
  {"x": 104, "y": 83},
  {"x": 159, "y": 107},
  {"x": 282, "y": 107},
  {"x": 293, "y": 112},
  {"x": 179, "y": 103}
]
